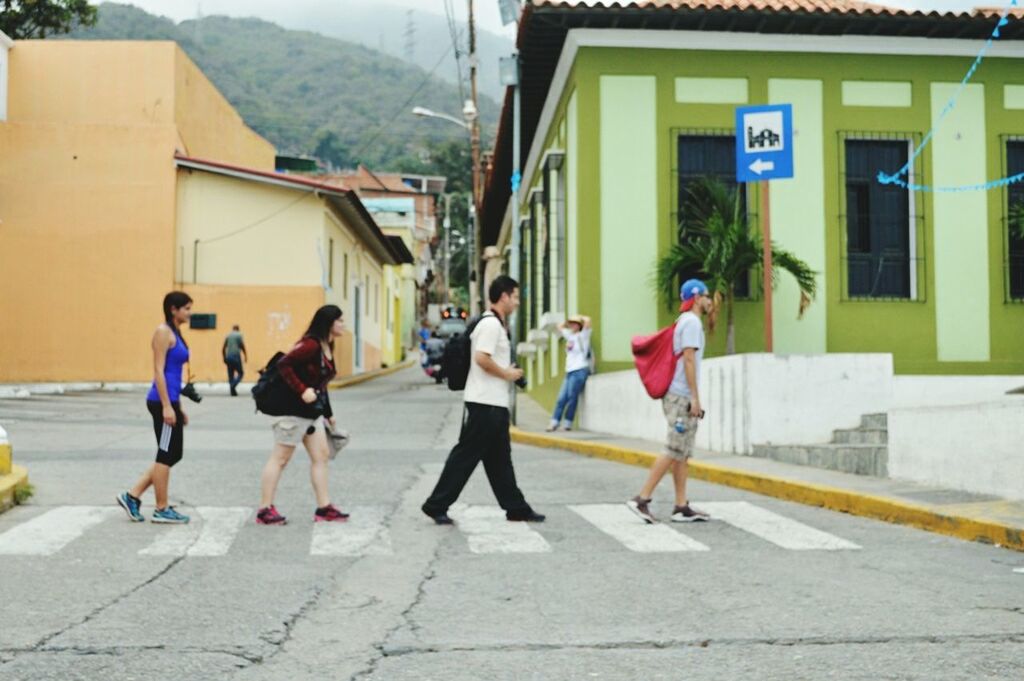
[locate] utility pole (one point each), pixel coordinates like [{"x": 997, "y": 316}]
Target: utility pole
[
  {"x": 447, "y": 249},
  {"x": 474, "y": 140}
]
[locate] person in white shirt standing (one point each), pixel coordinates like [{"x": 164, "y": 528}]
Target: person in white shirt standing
[
  {"x": 681, "y": 406},
  {"x": 576, "y": 332},
  {"x": 484, "y": 435}
]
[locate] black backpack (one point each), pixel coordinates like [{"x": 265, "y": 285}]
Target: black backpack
[
  {"x": 270, "y": 392},
  {"x": 458, "y": 355}
]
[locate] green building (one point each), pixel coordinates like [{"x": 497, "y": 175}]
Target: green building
[{"x": 623, "y": 106}]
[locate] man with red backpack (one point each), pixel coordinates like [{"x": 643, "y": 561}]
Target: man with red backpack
[{"x": 681, "y": 406}]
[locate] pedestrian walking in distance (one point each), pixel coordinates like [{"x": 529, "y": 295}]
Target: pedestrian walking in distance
[
  {"x": 681, "y": 406},
  {"x": 576, "y": 331},
  {"x": 170, "y": 353},
  {"x": 485, "y": 422},
  {"x": 306, "y": 369},
  {"x": 234, "y": 355}
]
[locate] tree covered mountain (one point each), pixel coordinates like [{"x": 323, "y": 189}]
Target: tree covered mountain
[{"x": 307, "y": 93}]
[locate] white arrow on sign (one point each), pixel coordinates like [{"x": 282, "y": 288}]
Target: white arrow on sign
[{"x": 760, "y": 165}]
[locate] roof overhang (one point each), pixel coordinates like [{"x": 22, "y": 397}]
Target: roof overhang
[
  {"x": 343, "y": 201},
  {"x": 551, "y": 32}
]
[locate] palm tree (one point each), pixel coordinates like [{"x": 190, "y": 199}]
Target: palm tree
[{"x": 714, "y": 241}]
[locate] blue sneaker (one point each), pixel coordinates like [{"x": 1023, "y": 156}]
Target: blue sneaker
[
  {"x": 131, "y": 506},
  {"x": 169, "y": 515}
]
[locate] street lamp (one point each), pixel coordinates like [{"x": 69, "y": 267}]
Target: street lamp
[{"x": 428, "y": 113}]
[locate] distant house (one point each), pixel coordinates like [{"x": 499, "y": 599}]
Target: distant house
[
  {"x": 117, "y": 189},
  {"x": 624, "y": 105}
]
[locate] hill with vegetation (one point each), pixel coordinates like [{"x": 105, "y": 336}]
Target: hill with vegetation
[{"x": 307, "y": 93}]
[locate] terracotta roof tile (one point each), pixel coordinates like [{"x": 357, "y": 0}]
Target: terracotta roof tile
[{"x": 854, "y": 7}]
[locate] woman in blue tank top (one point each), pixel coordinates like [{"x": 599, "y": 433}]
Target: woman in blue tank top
[{"x": 170, "y": 353}]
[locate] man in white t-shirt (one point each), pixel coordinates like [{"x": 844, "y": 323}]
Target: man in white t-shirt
[
  {"x": 484, "y": 436},
  {"x": 681, "y": 406},
  {"x": 576, "y": 332}
]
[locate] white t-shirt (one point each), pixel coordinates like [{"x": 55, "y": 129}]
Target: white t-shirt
[
  {"x": 577, "y": 345},
  {"x": 689, "y": 333},
  {"x": 490, "y": 337}
]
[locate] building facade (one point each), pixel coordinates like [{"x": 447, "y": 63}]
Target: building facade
[
  {"x": 624, "y": 119},
  {"x": 106, "y": 206}
]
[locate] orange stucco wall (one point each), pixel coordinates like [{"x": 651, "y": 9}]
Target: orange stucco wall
[
  {"x": 271, "y": 318},
  {"x": 87, "y": 201}
]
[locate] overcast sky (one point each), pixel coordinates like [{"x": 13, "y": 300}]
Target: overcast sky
[{"x": 488, "y": 17}]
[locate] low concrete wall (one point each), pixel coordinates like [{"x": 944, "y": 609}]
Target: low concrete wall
[
  {"x": 930, "y": 391},
  {"x": 752, "y": 399},
  {"x": 975, "y": 448}
]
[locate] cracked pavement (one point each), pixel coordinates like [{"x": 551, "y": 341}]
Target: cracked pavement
[{"x": 907, "y": 605}]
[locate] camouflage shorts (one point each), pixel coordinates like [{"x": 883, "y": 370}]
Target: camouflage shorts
[{"x": 679, "y": 445}]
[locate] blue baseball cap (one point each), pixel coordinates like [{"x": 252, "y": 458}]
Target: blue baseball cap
[{"x": 692, "y": 288}]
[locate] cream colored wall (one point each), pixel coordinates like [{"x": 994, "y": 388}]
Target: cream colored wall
[
  {"x": 278, "y": 242},
  {"x": 209, "y": 126}
]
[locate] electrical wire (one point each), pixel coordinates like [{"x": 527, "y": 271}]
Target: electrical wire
[
  {"x": 401, "y": 109},
  {"x": 254, "y": 224}
]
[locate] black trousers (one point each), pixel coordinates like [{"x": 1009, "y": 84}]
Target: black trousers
[{"x": 484, "y": 437}]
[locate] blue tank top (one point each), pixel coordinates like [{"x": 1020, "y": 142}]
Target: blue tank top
[{"x": 177, "y": 355}]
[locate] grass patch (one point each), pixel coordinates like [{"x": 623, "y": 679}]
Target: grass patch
[{"x": 23, "y": 493}]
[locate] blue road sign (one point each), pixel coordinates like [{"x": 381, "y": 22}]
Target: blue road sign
[{"x": 764, "y": 142}]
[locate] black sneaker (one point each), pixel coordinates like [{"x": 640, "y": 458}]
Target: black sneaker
[
  {"x": 685, "y": 514},
  {"x": 438, "y": 518},
  {"x": 641, "y": 507},
  {"x": 528, "y": 516}
]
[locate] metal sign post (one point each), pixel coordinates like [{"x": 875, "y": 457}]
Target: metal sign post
[{"x": 764, "y": 151}]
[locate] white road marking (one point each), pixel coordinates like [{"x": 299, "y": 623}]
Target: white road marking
[
  {"x": 48, "y": 533},
  {"x": 211, "y": 533},
  {"x": 772, "y": 527},
  {"x": 487, "y": 531},
  {"x": 363, "y": 534},
  {"x": 620, "y": 523}
]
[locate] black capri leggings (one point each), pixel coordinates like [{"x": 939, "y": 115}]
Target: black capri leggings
[{"x": 169, "y": 439}]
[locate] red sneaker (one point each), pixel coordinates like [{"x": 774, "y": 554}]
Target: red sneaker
[
  {"x": 329, "y": 514},
  {"x": 270, "y": 516}
]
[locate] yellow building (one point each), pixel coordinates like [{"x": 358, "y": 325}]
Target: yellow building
[{"x": 102, "y": 199}]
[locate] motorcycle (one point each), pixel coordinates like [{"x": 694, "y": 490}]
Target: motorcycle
[{"x": 430, "y": 359}]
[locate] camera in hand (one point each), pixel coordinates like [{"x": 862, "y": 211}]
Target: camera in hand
[
  {"x": 521, "y": 381},
  {"x": 190, "y": 392}
]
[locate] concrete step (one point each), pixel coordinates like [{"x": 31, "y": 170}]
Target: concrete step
[
  {"x": 874, "y": 421},
  {"x": 860, "y": 436},
  {"x": 860, "y": 459}
]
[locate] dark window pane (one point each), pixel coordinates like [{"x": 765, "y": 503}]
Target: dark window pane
[
  {"x": 707, "y": 156},
  {"x": 1015, "y": 254},
  {"x": 877, "y": 221}
]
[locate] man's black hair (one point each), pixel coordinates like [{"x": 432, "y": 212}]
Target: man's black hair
[{"x": 501, "y": 285}]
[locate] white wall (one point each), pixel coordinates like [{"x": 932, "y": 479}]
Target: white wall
[
  {"x": 976, "y": 448},
  {"x": 928, "y": 391},
  {"x": 752, "y": 399},
  {"x": 5, "y": 46}
]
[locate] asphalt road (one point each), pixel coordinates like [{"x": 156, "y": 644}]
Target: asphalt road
[{"x": 768, "y": 590}]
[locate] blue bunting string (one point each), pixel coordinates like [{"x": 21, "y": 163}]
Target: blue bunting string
[{"x": 885, "y": 178}]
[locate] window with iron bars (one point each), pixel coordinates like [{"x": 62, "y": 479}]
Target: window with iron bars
[
  {"x": 1013, "y": 221},
  {"x": 882, "y": 226},
  {"x": 707, "y": 153}
]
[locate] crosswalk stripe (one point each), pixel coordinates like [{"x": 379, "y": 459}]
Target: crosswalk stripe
[
  {"x": 772, "y": 527},
  {"x": 620, "y": 523},
  {"x": 363, "y": 534},
  {"x": 48, "y": 533},
  {"x": 211, "y": 533},
  {"x": 487, "y": 531}
]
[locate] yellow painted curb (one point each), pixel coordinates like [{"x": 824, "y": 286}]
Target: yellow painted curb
[
  {"x": 369, "y": 376},
  {"x": 9, "y": 483},
  {"x": 834, "y": 498},
  {"x": 6, "y": 458}
]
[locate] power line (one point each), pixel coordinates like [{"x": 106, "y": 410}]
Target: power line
[
  {"x": 403, "y": 107},
  {"x": 253, "y": 224}
]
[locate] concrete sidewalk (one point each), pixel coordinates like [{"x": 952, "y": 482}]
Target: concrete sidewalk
[{"x": 967, "y": 516}]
